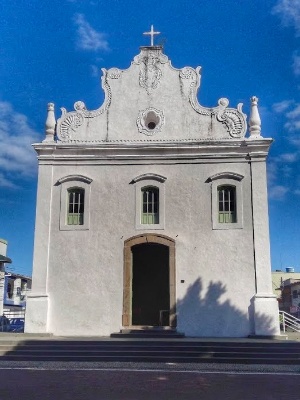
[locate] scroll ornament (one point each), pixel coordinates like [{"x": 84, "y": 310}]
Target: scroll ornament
[
  {"x": 69, "y": 122},
  {"x": 233, "y": 119}
]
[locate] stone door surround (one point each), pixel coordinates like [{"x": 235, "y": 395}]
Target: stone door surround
[{"x": 127, "y": 282}]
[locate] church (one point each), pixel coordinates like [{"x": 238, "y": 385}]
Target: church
[{"x": 152, "y": 212}]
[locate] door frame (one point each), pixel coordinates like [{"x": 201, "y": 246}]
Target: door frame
[{"x": 127, "y": 278}]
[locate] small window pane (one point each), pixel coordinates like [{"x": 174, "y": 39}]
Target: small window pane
[
  {"x": 150, "y": 205},
  {"x": 227, "y": 204},
  {"x": 75, "y": 214}
]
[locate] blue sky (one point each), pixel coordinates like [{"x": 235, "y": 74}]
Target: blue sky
[{"x": 53, "y": 51}]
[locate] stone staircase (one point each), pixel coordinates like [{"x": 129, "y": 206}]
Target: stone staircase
[
  {"x": 186, "y": 350},
  {"x": 148, "y": 333}
]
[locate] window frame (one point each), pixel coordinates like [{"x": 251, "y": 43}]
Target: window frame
[
  {"x": 226, "y": 179},
  {"x": 152, "y": 203},
  {"x": 71, "y": 182},
  {"x": 72, "y": 201},
  {"x": 155, "y": 181},
  {"x": 231, "y": 212}
]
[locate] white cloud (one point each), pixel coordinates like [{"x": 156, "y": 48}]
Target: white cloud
[
  {"x": 286, "y": 171},
  {"x": 289, "y": 12},
  {"x": 4, "y": 182},
  {"x": 17, "y": 157},
  {"x": 87, "y": 37},
  {"x": 294, "y": 139},
  {"x": 295, "y": 113},
  {"x": 282, "y": 106},
  {"x": 289, "y": 157},
  {"x": 277, "y": 192},
  {"x": 292, "y": 125},
  {"x": 293, "y": 119}
]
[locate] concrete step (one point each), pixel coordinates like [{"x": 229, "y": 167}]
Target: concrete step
[
  {"x": 147, "y": 333},
  {"x": 152, "y": 350}
]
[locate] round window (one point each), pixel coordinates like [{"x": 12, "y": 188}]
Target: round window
[{"x": 151, "y": 120}]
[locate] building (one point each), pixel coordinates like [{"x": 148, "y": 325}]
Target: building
[
  {"x": 152, "y": 212},
  {"x": 286, "y": 286},
  {"x": 13, "y": 287},
  {"x": 281, "y": 279},
  {"x": 16, "y": 288},
  {"x": 3, "y": 260}
]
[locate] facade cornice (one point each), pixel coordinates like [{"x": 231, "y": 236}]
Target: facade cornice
[{"x": 111, "y": 151}]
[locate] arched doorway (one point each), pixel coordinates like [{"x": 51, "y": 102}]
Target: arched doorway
[{"x": 149, "y": 281}]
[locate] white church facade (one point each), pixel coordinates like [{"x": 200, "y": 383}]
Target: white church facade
[{"x": 152, "y": 212}]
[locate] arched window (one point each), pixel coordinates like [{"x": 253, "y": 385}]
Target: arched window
[
  {"x": 75, "y": 195},
  {"x": 75, "y": 214},
  {"x": 150, "y": 205},
  {"x": 227, "y": 200},
  {"x": 227, "y": 204}
]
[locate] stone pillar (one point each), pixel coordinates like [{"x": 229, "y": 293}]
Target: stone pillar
[
  {"x": 266, "y": 315},
  {"x": 37, "y": 300}
]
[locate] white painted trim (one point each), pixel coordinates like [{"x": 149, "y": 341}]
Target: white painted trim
[
  {"x": 80, "y": 178},
  {"x": 215, "y": 204},
  {"x": 155, "y": 177},
  {"x": 227, "y": 175},
  {"x": 138, "y": 204},
  {"x": 67, "y": 184}
]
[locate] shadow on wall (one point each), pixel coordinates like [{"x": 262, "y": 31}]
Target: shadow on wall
[{"x": 208, "y": 317}]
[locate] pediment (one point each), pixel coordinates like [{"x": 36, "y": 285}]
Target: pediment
[{"x": 153, "y": 101}]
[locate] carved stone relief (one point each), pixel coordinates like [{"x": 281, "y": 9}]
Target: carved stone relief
[
  {"x": 114, "y": 73},
  {"x": 150, "y": 73},
  {"x": 69, "y": 124},
  {"x": 150, "y": 121}
]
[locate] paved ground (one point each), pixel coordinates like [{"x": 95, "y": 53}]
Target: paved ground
[
  {"x": 138, "y": 383},
  {"x": 146, "y": 381}
]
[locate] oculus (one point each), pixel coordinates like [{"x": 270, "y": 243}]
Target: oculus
[{"x": 150, "y": 121}]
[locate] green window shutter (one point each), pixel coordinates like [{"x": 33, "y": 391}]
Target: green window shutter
[
  {"x": 150, "y": 205},
  {"x": 75, "y": 215},
  {"x": 227, "y": 204}
]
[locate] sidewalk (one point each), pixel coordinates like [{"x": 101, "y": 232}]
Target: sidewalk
[{"x": 20, "y": 337}]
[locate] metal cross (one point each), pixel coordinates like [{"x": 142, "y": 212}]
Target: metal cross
[{"x": 151, "y": 33}]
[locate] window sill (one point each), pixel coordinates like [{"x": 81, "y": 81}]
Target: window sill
[
  {"x": 74, "y": 228},
  {"x": 150, "y": 227},
  {"x": 226, "y": 226}
]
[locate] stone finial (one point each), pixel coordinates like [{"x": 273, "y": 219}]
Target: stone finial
[
  {"x": 50, "y": 123},
  {"x": 254, "y": 122}
]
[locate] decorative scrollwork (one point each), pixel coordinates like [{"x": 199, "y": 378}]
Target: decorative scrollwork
[
  {"x": 234, "y": 119},
  {"x": 70, "y": 124},
  {"x": 188, "y": 73},
  {"x": 79, "y": 106},
  {"x": 190, "y": 78},
  {"x": 114, "y": 73},
  {"x": 150, "y": 74}
]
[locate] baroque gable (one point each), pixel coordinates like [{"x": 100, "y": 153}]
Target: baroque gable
[{"x": 151, "y": 101}]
